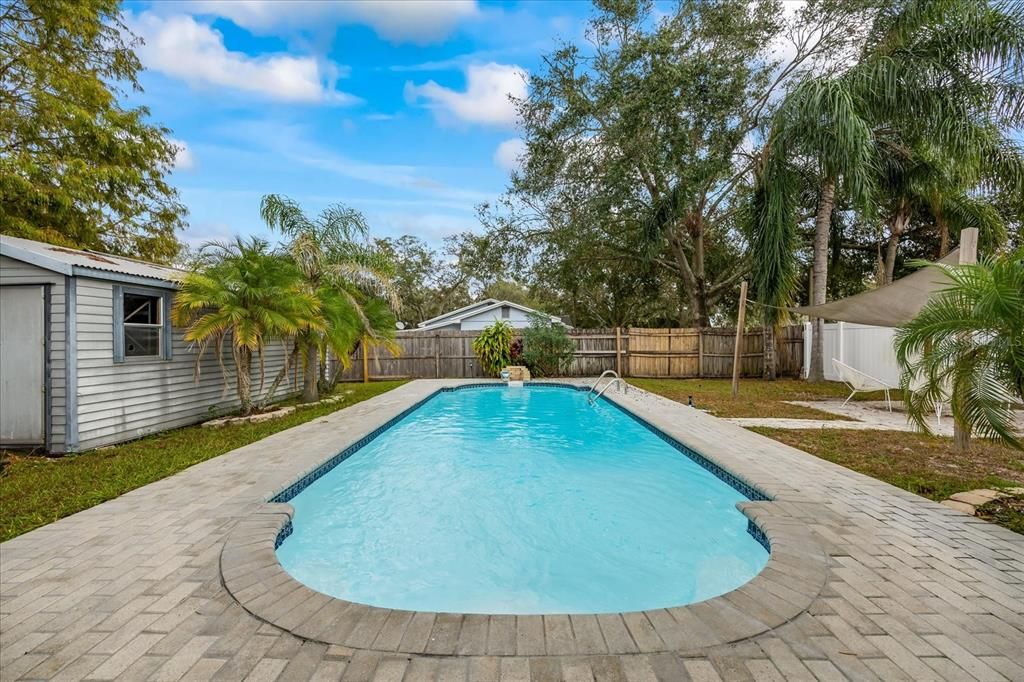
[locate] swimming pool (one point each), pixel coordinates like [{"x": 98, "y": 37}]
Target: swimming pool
[{"x": 519, "y": 501}]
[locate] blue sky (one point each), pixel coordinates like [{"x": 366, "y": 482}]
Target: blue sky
[{"x": 398, "y": 109}]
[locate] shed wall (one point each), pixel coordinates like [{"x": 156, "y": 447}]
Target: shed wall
[
  {"x": 16, "y": 272},
  {"x": 121, "y": 401}
]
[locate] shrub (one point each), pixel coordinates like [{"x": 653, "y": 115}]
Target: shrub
[
  {"x": 546, "y": 346},
  {"x": 494, "y": 347},
  {"x": 517, "y": 351}
]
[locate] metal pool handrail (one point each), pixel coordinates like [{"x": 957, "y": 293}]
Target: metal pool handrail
[
  {"x": 611, "y": 383},
  {"x": 605, "y": 373}
]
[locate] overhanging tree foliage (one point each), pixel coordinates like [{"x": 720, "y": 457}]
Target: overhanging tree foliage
[
  {"x": 640, "y": 143},
  {"x": 76, "y": 167},
  {"x": 914, "y": 130}
]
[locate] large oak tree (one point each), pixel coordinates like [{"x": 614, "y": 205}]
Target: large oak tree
[
  {"x": 77, "y": 167},
  {"x": 640, "y": 141}
]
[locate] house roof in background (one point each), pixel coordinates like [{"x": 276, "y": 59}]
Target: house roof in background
[
  {"x": 457, "y": 316},
  {"x": 78, "y": 262},
  {"x": 454, "y": 313}
]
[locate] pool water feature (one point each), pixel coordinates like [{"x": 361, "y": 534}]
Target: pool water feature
[{"x": 520, "y": 501}]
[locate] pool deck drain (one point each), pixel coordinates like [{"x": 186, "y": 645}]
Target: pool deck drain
[{"x": 866, "y": 581}]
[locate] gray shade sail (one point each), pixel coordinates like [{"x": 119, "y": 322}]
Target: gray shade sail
[{"x": 889, "y": 306}]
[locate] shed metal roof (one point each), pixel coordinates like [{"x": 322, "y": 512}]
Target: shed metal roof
[{"x": 78, "y": 262}]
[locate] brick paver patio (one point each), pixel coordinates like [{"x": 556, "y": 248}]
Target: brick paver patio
[{"x": 133, "y": 588}]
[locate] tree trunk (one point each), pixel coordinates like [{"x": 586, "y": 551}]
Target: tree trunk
[
  {"x": 899, "y": 226},
  {"x": 701, "y": 312},
  {"x": 770, "y": 357},
  {"x": 961, "y": 436},
  {"x": 289, "y": 359},
  {"x": 243, "y": 376},
  {"x": 822, "y": 228},
  {"x": 943, "y": 233},
  {"x": 311, "y": 371}
]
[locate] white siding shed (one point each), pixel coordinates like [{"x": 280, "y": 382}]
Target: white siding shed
[{"x": 94, "y": 392}]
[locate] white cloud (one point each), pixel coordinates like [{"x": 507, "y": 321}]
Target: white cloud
[
  {"x": 183, "y": 158},
  {"x": 486, "y": 99},
  {"x": 183, "y": 48},
  {"x": 420, "y": 21},
  {"x": 509, "y": 154},
  {"x": 293, "y": 143}
]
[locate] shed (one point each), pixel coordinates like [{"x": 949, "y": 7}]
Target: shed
[
  {"x": 88, "y": 355},
  {"x": 477, "y": 316}
]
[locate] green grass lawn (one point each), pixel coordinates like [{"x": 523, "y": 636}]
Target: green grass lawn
[
  {"x": 757, "y": 398},
  {"x": 925, "y": 465},
  {"x": 36, "y": 490}
]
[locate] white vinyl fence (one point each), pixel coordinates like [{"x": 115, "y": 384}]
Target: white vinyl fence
[{"x": 861, "y": 346}]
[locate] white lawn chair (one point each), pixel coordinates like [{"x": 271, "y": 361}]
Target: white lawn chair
[
  {"x": 918, "y": 384},
  {"x": 859, "y": 382}
]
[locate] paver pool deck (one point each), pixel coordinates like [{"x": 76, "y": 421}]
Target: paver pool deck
[{"x": 866, "y": 581}]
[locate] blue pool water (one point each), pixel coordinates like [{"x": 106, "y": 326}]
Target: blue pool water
[{"x": 521, "y": 501}]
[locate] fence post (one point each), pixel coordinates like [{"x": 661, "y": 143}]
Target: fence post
[
  {"x": 841, "y": 331},
  {"x": 366, "y": 362},
  {"x": 618, "y": 351},
  {"x": 808, "y": 332},
  {"x": 437, "y": 355},
  {"x": 626, "y": 363},
  {"x": 700, "y": 352}
]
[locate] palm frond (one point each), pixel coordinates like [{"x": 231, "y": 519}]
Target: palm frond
[{"x": 967, "y": 346}]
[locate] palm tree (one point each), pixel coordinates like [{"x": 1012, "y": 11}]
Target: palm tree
[
  {"x": 371, "y": 326},
  {"x": 822, "y": 121},
  {"x": 938, "y": 71},
  {"x": 244, "y": 294},
  {"x": 775, "y": 273},
  {"x": 967, "y": 346},
  {"x": 951, "y": 185},
  {"x": 342, "y": 271}
]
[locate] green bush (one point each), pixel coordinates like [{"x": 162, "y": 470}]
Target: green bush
[
  {"x": 547, "y": 347},
  {"x": 494, "y": 347}
]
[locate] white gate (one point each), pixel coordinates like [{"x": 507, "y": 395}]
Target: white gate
[
  {"x": 862, "y": 346},
  {"x": 22, "y": 365}
]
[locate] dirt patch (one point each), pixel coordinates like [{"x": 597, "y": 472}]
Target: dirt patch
[{"x": 1006, "y": 511}]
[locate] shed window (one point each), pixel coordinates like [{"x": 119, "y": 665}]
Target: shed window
[
  {"x": 504, "y": 312},
  {"x": 141, "y": 328},
  {"x": 142, "y": 325}
]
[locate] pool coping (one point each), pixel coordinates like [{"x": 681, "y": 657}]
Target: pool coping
[{"x": 794, "y": 575}]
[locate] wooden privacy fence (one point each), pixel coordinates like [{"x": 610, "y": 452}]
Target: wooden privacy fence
[{"x": 633, "y": 351}]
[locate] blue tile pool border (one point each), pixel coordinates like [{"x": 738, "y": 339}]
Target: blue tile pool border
[{"x": 741, "y": 486}]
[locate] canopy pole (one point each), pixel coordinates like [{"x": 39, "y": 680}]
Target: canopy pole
[
  {"x": 968, "y": 256},
  {"x": 969, "y": 246},
  {"x": 739, "y": 339}
]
